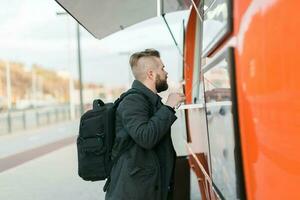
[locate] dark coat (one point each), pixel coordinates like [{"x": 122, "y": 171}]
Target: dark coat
[{"x": 144, "y": 171}]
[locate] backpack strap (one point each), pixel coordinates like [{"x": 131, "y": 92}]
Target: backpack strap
[
  {"x": 130, "y": 91},
  {"x": 116, "y": 104}
]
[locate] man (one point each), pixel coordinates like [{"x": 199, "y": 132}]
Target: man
[{"x": 145, "y": 170}]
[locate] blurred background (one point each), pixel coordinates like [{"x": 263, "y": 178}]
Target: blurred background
[
  {"x": 39, "y": 61},
  {"x": 39, "y": 91}
]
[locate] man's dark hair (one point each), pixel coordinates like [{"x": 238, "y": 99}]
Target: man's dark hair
[{"x": 146, "y": 53}]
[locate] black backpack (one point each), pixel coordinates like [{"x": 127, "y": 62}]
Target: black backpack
[{"x": 96, "y": 139}]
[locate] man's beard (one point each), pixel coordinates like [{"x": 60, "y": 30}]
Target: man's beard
[{"x": 160, "y": 84}]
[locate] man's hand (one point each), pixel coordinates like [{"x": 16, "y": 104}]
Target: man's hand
[{"x": 175, "y": 99}]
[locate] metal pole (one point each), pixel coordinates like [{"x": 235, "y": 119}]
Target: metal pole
[
  {"x": 71, "y": 84},
  {"x": 159, "y": 8},
  {"x": 8, "y": 95},
  {"x": 79, "y": 69}
]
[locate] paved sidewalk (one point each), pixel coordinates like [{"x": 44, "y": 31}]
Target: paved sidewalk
[
  {"x": 52, "y": 176},
  {"x": 11, "y": 144}
]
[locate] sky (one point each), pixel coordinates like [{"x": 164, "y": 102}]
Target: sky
[{"x": 32, "y": 33}]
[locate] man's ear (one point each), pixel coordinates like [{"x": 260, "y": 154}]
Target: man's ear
[{"x": 150, "y": 74}]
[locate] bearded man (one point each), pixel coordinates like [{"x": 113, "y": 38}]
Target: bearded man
[{"x": 144, "y": 170}]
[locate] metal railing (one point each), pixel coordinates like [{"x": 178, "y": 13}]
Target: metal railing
[{"x": 32, "y": 118}]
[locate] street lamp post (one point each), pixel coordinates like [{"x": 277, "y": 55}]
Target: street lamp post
[
  {"x": 79, "y": 67},
  {"x": 79, "y": 63}
]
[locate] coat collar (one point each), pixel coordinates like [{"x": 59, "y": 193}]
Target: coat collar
[{"x": 152, "y": 97}]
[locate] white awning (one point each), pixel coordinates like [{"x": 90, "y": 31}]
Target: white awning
[{"x": 104, "y": 17}]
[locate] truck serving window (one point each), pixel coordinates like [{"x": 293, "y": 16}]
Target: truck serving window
[{"x": 222, "y": 123}]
